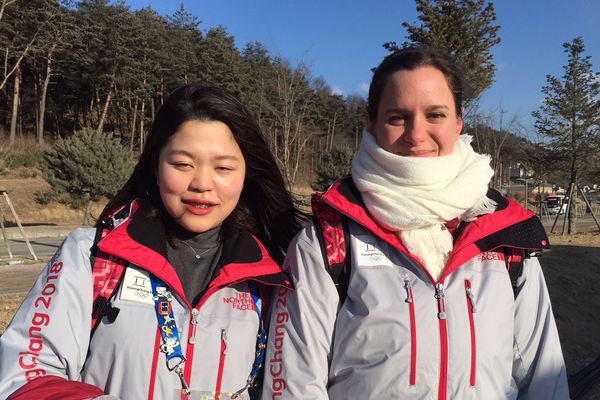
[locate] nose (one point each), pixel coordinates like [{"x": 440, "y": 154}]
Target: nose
[
  {"x": 415, "y": 131},
  {"x": 201, "y": 181}
]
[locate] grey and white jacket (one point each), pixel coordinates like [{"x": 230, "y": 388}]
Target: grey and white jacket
[
  {"x": 400, "y": 334},
  {"x": 48, "y": 349}
]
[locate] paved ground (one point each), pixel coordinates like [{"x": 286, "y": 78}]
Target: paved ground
[
  {"x": 40, "y": 231},
  {"x": 19, "y": 273}
]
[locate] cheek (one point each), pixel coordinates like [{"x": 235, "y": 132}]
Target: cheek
[
  {"x": 230, "y": 188},
  {"x": 386, "y": 137},
  {"x": 233, "y": 189},
  {"x": 169, "y": 182},
  {"x": 446, "y": 140}
]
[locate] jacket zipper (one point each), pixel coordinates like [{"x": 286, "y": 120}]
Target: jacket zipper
[
  {"x": 413, "y": 332},
  {"x": 186, "y": 374},
  {"x": 194, "y": 326},
  {"x": 221, "y": 364},
  {"x": 472, "y": 309},
  {"x": 441, "y": 302}
]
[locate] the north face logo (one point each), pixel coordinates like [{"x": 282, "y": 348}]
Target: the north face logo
[
  {"x": 490, "y": 256},
  {"x": 241, "y": 301}
]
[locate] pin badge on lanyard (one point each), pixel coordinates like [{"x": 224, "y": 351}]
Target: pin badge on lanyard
[{"x": 170, "y": 344}]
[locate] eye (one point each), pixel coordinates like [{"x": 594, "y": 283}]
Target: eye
[
  {"x": 224, "y": 168},
  {"x": 396, "y": 120},
  {"x": 436, "y": 115},
  {"x": 181, "y": 165}
]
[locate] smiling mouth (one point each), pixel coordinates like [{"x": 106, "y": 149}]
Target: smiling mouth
[{"x": 199, "y": 205}]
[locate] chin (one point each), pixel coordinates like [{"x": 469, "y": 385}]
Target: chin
[{"x": 197, "y": 228}]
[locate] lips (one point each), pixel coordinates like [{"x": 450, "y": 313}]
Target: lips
[{"x": 199, "y": 207}]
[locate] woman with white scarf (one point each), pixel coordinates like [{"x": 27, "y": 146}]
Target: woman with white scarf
[{"x": 441, "y": 295}]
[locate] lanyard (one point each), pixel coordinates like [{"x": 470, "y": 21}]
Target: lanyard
[
  {"x": 171, "y": 344},
  {"x": 261, "y": 340}
]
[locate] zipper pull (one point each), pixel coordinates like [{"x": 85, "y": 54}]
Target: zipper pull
[
  {"x": 439, "y": 295},
  {"x": 224, "y": 342},
  {"x": 409, "y": 298},
  {"x": 470, "y": 296},
  {"x": 194, "y": 322}
]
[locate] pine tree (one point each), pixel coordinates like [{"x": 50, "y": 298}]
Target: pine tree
[
  {"x": 463, "y": 28},
  {"x": 570, "y": 115},
  {"x": 88, "y": 164},
  {"x": 335, "y": 163},
  {"x": 183, "y": 42},
  {"x": 221, "y": 63}
]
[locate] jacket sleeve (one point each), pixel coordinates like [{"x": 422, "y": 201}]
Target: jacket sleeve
[
  {"x": 539, "y": 368},
  {"x": 301, "y": 326},
  {"x": 49, "y": 335}
]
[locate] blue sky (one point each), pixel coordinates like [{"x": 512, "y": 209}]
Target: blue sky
[{"x": 341, "y": 40}]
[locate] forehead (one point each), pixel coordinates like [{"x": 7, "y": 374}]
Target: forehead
[
  {"x": 203, "y": 137},
  {"x": 423, "y": 81}
]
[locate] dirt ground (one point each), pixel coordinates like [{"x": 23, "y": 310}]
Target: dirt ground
[
  {"x": 571, "y": 268},
  {"x": 21, "y": 192}
]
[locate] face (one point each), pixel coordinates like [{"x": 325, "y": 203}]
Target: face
[
  {"x": 201, "y": 175},
  {"x": 417, "y": 115}
]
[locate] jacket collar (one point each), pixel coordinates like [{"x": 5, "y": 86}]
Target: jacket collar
[
  {"x": 142, "y": 240},
  {"x": 509, "y": 226}
]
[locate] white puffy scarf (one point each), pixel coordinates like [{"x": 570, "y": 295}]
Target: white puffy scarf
[{"x": 414, "y": 196}]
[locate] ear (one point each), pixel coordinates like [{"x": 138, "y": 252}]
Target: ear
[
  {"x": 459, "y": 126},
  {"x": 460, "y": 123}
]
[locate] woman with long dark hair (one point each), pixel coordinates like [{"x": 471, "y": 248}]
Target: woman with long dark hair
[{"x": 164, "y": 299}]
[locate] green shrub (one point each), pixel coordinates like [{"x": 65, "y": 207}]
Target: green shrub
[
  {"x": 88, "y": 161},
  {"x": 334, "y": 164},
  {"x": 44, "y": 197}
]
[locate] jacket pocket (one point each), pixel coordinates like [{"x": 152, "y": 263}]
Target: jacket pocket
[{"x": 472, "y": 309}]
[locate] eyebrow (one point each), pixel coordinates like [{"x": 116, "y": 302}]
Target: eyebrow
[
  {"x": 438, "y": 106},
  {"x": 429, "y": 108},
  {"x": 191, "y": 155}
]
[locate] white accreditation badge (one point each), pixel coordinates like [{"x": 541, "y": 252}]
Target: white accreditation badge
[
  {"x": 367, "y": 252},
  {"x": 136, "y": 286}
]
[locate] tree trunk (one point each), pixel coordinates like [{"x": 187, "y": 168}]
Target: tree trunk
[
  {"x": 87, "y": 119},
  {"x": 5, "y": 71},
  {"x": 571, "y": 222},
  {"x": 106, "y": 104},
  {"x": 142, "y": 125},
  {"x": 133, "y": 124},
  {"x": 333, "y": 131},
  {"x": 87, "y": 214},
  {"x": 44, "y": 93},
  {"x": 152, "y": 110},
  {"x": 36, "y": 95},
  {"x": 571, "y": 226},
  {"x": 15, "y": 106},
  {"x": 162, "y": 89}
]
